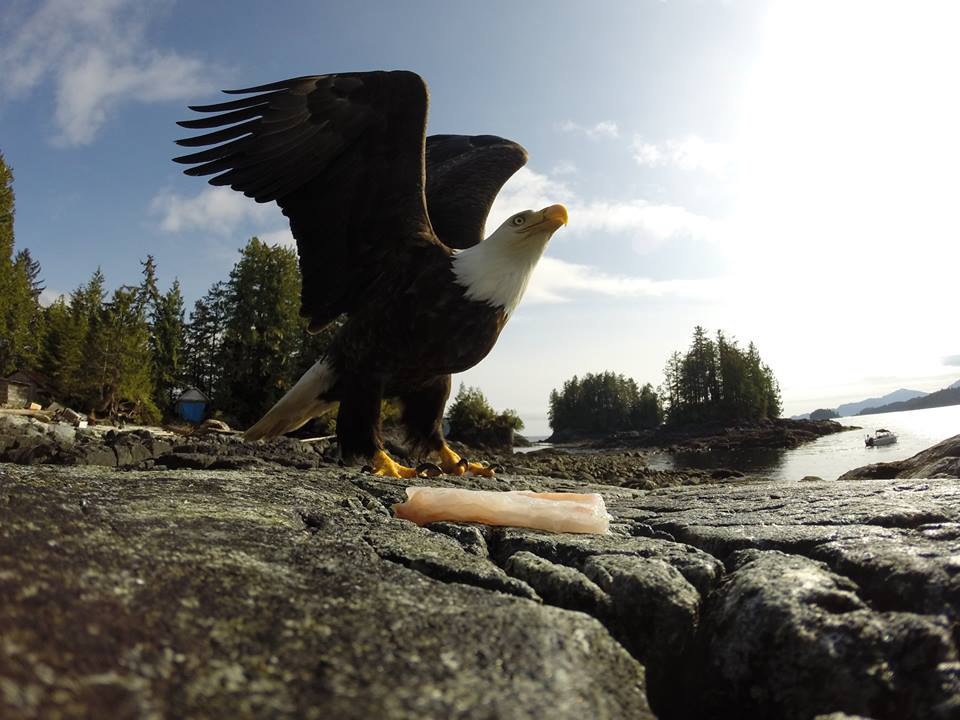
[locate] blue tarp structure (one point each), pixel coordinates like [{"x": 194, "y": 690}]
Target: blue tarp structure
[{"x": 192, "y": 405}]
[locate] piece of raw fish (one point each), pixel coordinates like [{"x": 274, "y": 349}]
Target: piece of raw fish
[{"x": 557, "y": 512}]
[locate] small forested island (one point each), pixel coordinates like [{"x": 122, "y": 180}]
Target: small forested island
[
  {"x": 824, "y": 414},
  {"x": 715, "y": 395}
]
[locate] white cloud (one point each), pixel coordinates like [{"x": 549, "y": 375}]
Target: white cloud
[
  {"x": 97, "y": 56},
  {"x": 564, "y": 167},
  {"x": 647, "y": 154},
  {"x": 647, "y": 224},
  {"x": 644, "y": 223},
  {"x": 48, "y": 297},
  {"x": 605, "y": 129},
  {"x": 216, "y": 210},
  {"x": 689, "y": 153},
  {"x": 555, "y": 280}
]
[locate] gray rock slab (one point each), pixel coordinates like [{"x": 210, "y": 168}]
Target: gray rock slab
[
  {"x": 196, "y": 593},
  {"x": 275, "y": 592},
  {"x": 825, "y": 642}
]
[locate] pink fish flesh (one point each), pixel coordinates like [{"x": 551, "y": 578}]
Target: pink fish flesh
[{"x": 557, "y": 512}]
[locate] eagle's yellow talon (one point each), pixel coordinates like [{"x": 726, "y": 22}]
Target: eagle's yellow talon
[
  {"x": 453, "y": 464},
  {"x": 385, "y": 466}
]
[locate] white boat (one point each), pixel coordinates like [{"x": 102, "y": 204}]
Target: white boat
[{"x": 880, "y": 437}]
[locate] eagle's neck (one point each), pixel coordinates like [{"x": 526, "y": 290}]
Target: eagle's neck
[{"x": 496, "y": 270}]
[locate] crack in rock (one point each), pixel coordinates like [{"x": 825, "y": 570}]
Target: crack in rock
[
  {"x": 830, "y": 650},
  {"x": 442, "y": 558}
]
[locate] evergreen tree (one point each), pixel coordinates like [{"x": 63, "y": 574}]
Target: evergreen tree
[
  {"x": 164, "y": 315},
  {"x": 167, "y": 339},
  {"x": 24, "y": 326},
  {"x": 603, "y": 403},
  {"x": 120, "y": 351},
  {"x": 670, "y": 390},
  {"x": 85, "y": 371},
  {"x": 62, "y": 347},
  {"x": 31, "y": 270},
  {"x": 65, "y": 352},
  {"x": 6, "y": 249},
  {"x": 473, "y": 420},
  {"x": 19, "y": 322},
  {"x": 148, "y": 295},
  {"x": 264, "y": 331},
  {"x": 647, "y": 413},
  {"x": 204, "y": 337},
  {"x": 717, "y": 381}
]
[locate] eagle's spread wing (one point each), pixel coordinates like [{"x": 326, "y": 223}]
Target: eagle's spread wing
[
  {"x": 464, "y": 175},
  {"x": 343, "y": 156}
]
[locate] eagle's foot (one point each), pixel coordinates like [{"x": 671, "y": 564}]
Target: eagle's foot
[
  {"x": 385, "y": 466},
  {"x": 453, "y": 464}
]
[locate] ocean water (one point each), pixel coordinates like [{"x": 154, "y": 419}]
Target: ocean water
[{"x": 832, "y": 455}]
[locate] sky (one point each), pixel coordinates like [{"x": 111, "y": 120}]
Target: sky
[{"x": 786, "y": 172}]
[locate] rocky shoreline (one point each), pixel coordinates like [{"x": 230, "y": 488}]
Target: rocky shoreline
[
  {"x": 208, "y": 578},
  {"x": 776, "y": 433}
]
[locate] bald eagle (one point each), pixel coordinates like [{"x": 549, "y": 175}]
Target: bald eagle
[{"x": 389, "y": 229}]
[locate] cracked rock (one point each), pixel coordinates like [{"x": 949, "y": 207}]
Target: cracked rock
[
  {"x": 271, "y": 595},
  {"x": 785, "y": 637},
  {"x": 271, "y": 591}
]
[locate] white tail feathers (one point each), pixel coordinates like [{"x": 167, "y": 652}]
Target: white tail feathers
[{"x": 302, "y": 402}]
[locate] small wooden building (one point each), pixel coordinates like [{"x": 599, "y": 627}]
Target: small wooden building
[
  {"x": 14, "y": 394},
  {"x": 39, "y": 388}
]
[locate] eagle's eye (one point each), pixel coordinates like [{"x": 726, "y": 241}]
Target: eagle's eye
[{"x": 518, "y": 221}]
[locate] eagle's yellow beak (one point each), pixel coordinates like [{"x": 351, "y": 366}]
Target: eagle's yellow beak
[{"x": 555, "y": 215}]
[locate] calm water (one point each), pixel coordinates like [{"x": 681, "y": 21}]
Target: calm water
[{"x": 832, "y": 455}]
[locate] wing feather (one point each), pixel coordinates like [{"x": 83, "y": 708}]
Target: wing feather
[
  {"x": 464, "y": 175},
  {"x": 235, "y": 104},
  {"x": 220, "y": 136},
  {"x": 343, "y": 157},
  {"x": 244, "y": 113}
]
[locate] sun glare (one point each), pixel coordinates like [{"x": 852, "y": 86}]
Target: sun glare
[{"x": 847, "y": 168}]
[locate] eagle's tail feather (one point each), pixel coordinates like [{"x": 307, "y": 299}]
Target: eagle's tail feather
[{"x": 303, "y": 402}]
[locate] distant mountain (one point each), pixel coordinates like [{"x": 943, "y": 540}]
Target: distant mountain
[
  {"x": 940, "y": 398},
  {"x": 901, "y": 395},
  {"x": 954, "y": 386}
]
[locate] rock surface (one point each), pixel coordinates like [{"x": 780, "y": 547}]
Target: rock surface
[
  {"x": 225, "y": 594},
  {"x": 940, "y": 461},
  {"x": 273, "y": 592},
  {"x": 26, "y": 441}
]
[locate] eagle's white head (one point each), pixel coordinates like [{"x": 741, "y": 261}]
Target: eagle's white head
[{"x": 497, "y": 270}]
